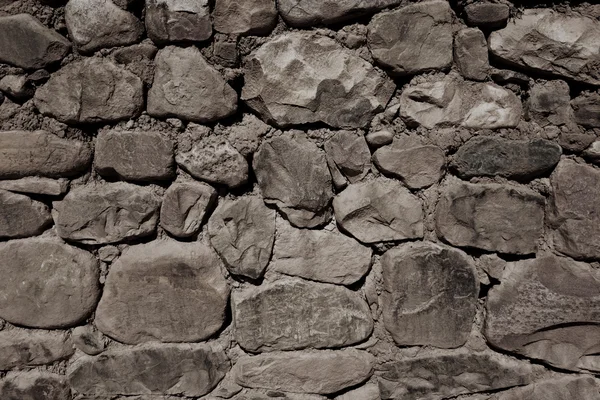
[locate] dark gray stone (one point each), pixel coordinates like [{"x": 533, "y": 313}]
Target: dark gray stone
[
  {"x": 586, "y": 110},
  {"x": 549, "y": 103}
]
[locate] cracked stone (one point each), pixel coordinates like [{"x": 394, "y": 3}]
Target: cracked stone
[
  {"x": 185, "y": 207},
  {"x": 21, "y": 216},
  {"x": 170, "y": 21},
  {"x": 19, "y": 348}
]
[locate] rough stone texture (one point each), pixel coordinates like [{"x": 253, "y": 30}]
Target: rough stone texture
[
  {"x": 88, "y": 340},
  {"x": 302, "y": 77},
  {"x": 487, "y": 15},
  {"x": 106, "y": 213},
  {"x": 513, "y": 159},
  {"x": 563, "y": 388},
  {"x": 134, "y": 156},
  {"x": 416, "y": 166},
  {"x": 494, "y": 217},
  {"x": 471, "y": 54},
  {"x": 304, "y": 372},
  {"x": 263, "y": 394},
  {"x": 293, "y": 314},
  {"x": 430, "y": 295},
  {"x": 17, "y": 87},
  {"x": 592, "y": 154},
  {"x": 36, "y": 185},
  {"x": 46, "y": 284},
  {"x": 26, "y": 43},
  {"x": 252, "y": 17},
  {"x": 547, "y": 308},
  {"x": 166, "y": 291},
  {"x": 22, "y": 217},
  {"x": 178, "y": 20},
  {"x": 242, "y": 231},
  {"x": 177, "y": 369},
  {"x": 34, "y": 385},
  {"x": 348, "y": 157},
  {"x": 185, "y": 207},
  {"x": 549, "y": 103},
  {"x": 370, "y": 391},
  {"x": 90, "y": 91},
  {"x": 543, "y": 40},
  {"x": 19, "y": 348},
  {"x": 292, "y": 174},
  {"x": 586, "y": 110},
  {"x": 379, "y": 210},
  {"x": 414, "y": 38}
]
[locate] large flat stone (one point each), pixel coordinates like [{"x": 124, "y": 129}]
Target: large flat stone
[
  {"x": 178, "y": 21},
  {"x": 20, "y": 348},
  {"x": 250, "y": 17},
  {"x": 548, "y": 103},
  {"x": 34, "y": 385},
  {"x": 36, "y": 185},
  {"x": 186, "y": 206},
  {"x": 416, "y": 166},
  {"x": 563, "y": 388},
  {"x": 21, "y": 216}
]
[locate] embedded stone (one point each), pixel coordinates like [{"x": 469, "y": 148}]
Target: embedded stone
[
  {"x": 586, "y": 110},
  {"x": 416, "y": 166},
  {"x": 251, "y": 17},
  {"x": 487, "y": 15},
  {"x": 20, "y": 348},
  {"x": 293, "y": 314},
  {"x": 21, "y": 216},
  {"x": 380, "y": 138},
  {"x": 370, "y": 391},
  {"x": 88, "y": 340},
  {"x": 17, "y": 87},
  {"x": 34, "y": 385},
  {"x": 575, "y": 141},
  {"x": 348, "y": 157},
  {"x": 561, "y": 388},
  {"x": 247, "y": 135},
  {"x": 591, "y": 154},
  {"x": 185, "y": 207},
  {"x": 471, "y": 54},
  {"x": 170, "y": 21},
  {"x": 36, "y": 185},
  {"x": 549, "y": 103}
]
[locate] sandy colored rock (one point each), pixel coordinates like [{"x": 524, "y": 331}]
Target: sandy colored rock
[
  {"x": 416, "y": 166},
  {"x": 34, "y": 385},
  {"x": 88, "y": 340},
  {"x": 370, "y": 391},
  {"x": 20, "y": 348},
  {"x": 471, "y": 54},
  {"x": 250, "y": 17},
  {"x": 186, "y": 206},
  {"x": 487, "y": 15},
  {"x": 21, "y": 216},
  {"x": 178, "y": 21},
  {"x": 586, "y": 110},
  {"x": 36, "y": 185},
  {"x": 563, "y": 388},
  {"x": 348, "y": 157},
  {"x": 549, "y": 103}
]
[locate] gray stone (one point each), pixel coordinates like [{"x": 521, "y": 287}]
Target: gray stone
[
  {"x": 46, "y": 284},
  {"x": 471, "y": 54},
  {"x": 348, "y": 157},
  {"x": 430, "y": 295},
  {"x": 106, "y": 213},
  {"x": 416, "y": 166},
  {"x": 504, "y": 76},
  {"x": 293, "y": 314},
  {"x": 21, "y": 216},
  {"x": 574, "y": 141},
  {"x": 287, "y": 82},
  {"x": 169, "y": 369},
  {"x": 370, "y": 391},
  {"x": 321, "y": 372},
  {"x": 166, "y": 291},
  {"x": 96, "y": 24},
  {"x": 549, "y": 103},
  {"x": 17, "y": 87},
  {"x": 186, "y": 86},
  {"x": 494, "y": 217},
  {"x": 135, "y": 53},
  {"x": 34, "y": 385},
  {"x": 90, "y": 91},
  {"x": 247, "y": 135},
  {"x": 19, "y": 348},
  {"x": 178, "y": 21},
  {"x": 379, "y": 210},
  {"x": 242, "y": 231},
  {"x": 487, "y": 15},
  {"x": 88, "y": 340},
  {"x": 26, "y": 43},
  {"x": 591, "y": 154},
  {"x": 379, "y": 138},
  {"x": 108, "y": 253},
  {"x": 586, "y": 110},
  {"x": 513, "y": 159},
  {"x": 281, "y": 165},
  {"x": 251, "y": 17},
  {"x": 36, "y": 185},
  {"x": 263, "y": 394},
  {"x": 414, "y": 38},
  {"x": 185, "y": 207},
  {"x": 563, "y": 388}
]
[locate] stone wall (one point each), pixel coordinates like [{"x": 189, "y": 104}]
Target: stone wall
[{"x": 301, "y": 200}]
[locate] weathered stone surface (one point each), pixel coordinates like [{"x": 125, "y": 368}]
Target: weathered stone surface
[
  {"x": 321, "y": 372},
  {"x": 90, "y": 91},
  {"x": 575, "y": 141},
  {"x": 185, "y": 207},
  {"x": 471, "y": 54},
  {"x": 549, "y": 103},
  {"x": 370, "y": 391},
  {"x": 319, "y": 255},
  {"x": 504, "y": 76},
  {"x": 177, "y": 369},
  {"x": 564, "y": 388},
  {"x": 416, "y": 166},
  {"x": 26, "y": 43},
  {"x": 88, "y": 340},
  {"x": 36, "y": 185},
  {"x": 292, "y": 173},
  {"x": 576, "y": 209},
  {"x": 592, "y": 154},
  {"x": 21, "y": 216},
  {"x": 41, "y": 153},
  {"x": 348, "y": 157},
  {"x": 134, "y": 156},
  {"x": 242, "y": 231},
  {"x": 430, "y": 295},
  {"x": 186, "y": 86},
  {"x": 95, "y": 24},
  {"x": 414, "y": 38},
  {"x": 164, "y": 290},
  {"x": 379, "y": 138},
  {"x": 302, "y": 77},
  {"x": 378, "y": 211},
  {"x": 547, "y": 308},
  {"x": 17, "y": 87},
  {"x": 547, "y": 41},
  {"x": 19, "y": 348},
  {"x": 247, "y": 135},
  {"x": 487, "y": 15},
  {"x": 513, "y": 159},
  {"x": 251, "y": 17},
  {"x": 34, "y": 385},
  {"x": 106, "y": 213},
  {"x": 506, "y": 219},
  {"x": 293, "y": 314},
  {"x": 46, "y": 284},
  {"x": 178, "y": 20},
  {"x": 586, "y": 110}
]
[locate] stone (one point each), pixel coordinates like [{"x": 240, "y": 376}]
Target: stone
[
  {"x": 549, "y": 103},
  {"x": 20, "y": 348},
  {"x": 252, "y": 17},
  {"x": 281, "y": 165},
  {"x": 46, "y": 284},
  {"x": 493, "y": 217},
  {"x": 348, "y": 157},
  {"x": 163, "y": 291},
  {"x": 186, "y": 86},
  {"x": 21, "y": 216},
  {"x": 471, "y": 54},
  {"x": 586, "y": 110},
  {"x": 319, "y": 255},
  {"x": 292, "y": 314},
  {"x": 106, "y": 213},
  {"x": 170, "y": 21},
  {"x": 108, "y": 253},
  {"x": 546, "y": 308},
  {"x": 88, "y": 340},
  {"x": 575, "y": 142},
  {"x": 430, "y": 295},
  {"x": 92, "y": 90},
  {"x": 513, "y": 159},
  {"x": 321, "y": 372},
  {"x": 539, "y": 41},
  {"x": 158, "y": 369},
  {"x": 413, "y": 39},
  {"x": 370, "y": 391},
  {"x": 506, "y": 76},
  {"x": 225, "y": 49},
  {"x": 96, "y": 24},
  {"x": 379, "y": 138},
  {"x": 262, "y": 394},
  {"x": 492, "y": 265},
  {"x": 379, "y": 210},
  {"x": 591, "y": 154},
  {"x": 562, "y": 388},
  {"x": 242, "y": 231},
  {"x": 40, "y": 153},
  {"x": 247, "y": 135},
  {"x": 416, "y": 166},
  {"x": 17, "y": 87},
  {"x": 134, "y": 156},
  {"x": 135, "y": 53},
  {"x": 487, "y": 15},
  {"x": 576, "y": 210},
  {"x": 186, "y": 207},
  {"x": 34, "y": 385},
  {"x": 36, "y": 185},
  {"x": 26, "y": 43},
  {"x": 288, "y": 83}
]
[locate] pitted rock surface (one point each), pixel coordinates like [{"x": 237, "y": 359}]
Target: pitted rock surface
[
  {"x": 178, "y": 21},
  {"x": 348, "y": 157},
  {"x": 21, "y": 216},
  {"x": 186, "y": 206},
  {"x": 19, "y": 348},
  {"x": 34, "y": 385}
]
